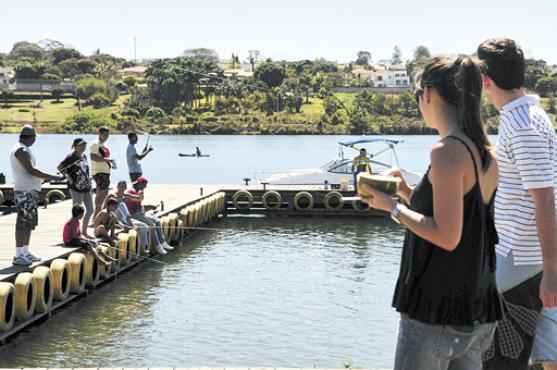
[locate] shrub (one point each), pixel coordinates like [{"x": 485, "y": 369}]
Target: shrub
[
  {"x": 99, "y": 100},
  {"x": 130, "y": 112},
  {"x": 87, "y": 87},
  {"x": 155, "y": 113}
]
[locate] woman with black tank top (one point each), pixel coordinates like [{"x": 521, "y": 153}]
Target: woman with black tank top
[{"x": 446, "y": 290}]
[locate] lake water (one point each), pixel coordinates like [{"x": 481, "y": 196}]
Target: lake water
[
  {"x": 289, "y": 292},
  {"x": 232, "y": 157}
]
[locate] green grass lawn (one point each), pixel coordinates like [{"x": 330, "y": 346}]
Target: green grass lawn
[{"x": 46, "y": 116}]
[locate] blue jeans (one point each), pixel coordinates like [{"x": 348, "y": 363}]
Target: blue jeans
[{"x": 441, "y": 347}]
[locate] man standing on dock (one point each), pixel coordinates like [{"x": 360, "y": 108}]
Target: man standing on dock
[
  {"x": 133, "y": 158},
  {"x": 525, "y": 214},
  {"x": 101, "y": 165},
  {"x": 27, "y": 188}
]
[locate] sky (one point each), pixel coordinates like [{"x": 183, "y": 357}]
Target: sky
[{"x": 284, "y": 29}]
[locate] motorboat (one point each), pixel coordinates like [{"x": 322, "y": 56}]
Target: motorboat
[{"x": 339, "y": 171}]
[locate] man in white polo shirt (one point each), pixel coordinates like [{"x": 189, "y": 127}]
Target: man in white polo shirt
[
  {"x": 525, "y": 214},
  {"x": 27, "y": 188}
]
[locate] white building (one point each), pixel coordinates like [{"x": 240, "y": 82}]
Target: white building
[
  {"x": 384, "y": 75},
  {"x": 6, "y": 74}
]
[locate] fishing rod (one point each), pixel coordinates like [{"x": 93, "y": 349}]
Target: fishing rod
[{"x": 142, "y": 257}]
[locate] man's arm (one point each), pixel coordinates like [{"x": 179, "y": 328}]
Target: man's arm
[
  {"x": 25, "y": 160},
  {"x": 143, "y": 154},
  {"x": 546, "y": 222}
]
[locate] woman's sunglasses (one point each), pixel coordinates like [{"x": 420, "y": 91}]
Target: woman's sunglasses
[{"x": 418, "y": 93}]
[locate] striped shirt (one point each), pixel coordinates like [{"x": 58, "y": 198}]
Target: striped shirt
[{"x": 527, "y": 159}]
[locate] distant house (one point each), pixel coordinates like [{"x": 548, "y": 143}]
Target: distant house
[
  {"x": 137, "y": 71},
  {"x": 6, "y": 74},
  {"x": 384, "y": 75}
]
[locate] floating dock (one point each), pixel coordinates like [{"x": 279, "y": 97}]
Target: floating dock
[{"x": 29, "y": 295}]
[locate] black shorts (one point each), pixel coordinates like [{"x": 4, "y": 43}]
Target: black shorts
[
  {"x": 26, "y": 204},
  {"x": 514, "y": 337},
  {"x": 135, "y": 175},
  {"x": 102, "y": 180}
]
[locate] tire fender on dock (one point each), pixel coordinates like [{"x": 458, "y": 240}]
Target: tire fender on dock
[
  {"x": 123, "y": 249},
  {"x": 242, "y": 199},
  {"x": 333, "y": 200},
  {"x": 55, "y": 195},
  {"x": 60, "y": 278},
  {"x": 360, "y": 206},
  {"x": 103, "y": 270},
  {"x": 2, "y": 198},
  {"x": 76, "y": 266},
  {"x": 133, "y": 242},
  {"x": 92, "y": 270},
  {"x": 271, "y": 200},
  {"x": 24, "y": 296},
  {"x": 44, "y": 289},
  {"x": 303, "y": 201},
  {"x": 7, "y": 306}
]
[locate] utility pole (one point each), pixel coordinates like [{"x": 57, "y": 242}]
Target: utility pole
[{"x": 135, "y": 49}]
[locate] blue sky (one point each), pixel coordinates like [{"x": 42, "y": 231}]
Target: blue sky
[{"x": 285, "y": 29}]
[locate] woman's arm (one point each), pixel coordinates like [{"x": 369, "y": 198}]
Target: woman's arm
[{"x": 444, "y": 229}]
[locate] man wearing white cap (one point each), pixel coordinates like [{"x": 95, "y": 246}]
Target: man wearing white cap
[{"x": 27, "y": 187}]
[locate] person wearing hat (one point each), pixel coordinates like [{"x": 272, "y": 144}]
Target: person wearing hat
[
  {"x": 134, "y": 201},
  {"x": 27, "y": 186},
  {"x": 101, "y": 166},
  {"x": 76, "y": 169},
  {"x": 133, "y": 157}
]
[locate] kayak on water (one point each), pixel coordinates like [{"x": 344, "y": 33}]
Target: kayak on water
[{"x": 193, "y": 155}]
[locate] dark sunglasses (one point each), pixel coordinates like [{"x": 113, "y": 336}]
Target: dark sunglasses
[{"x": 418, "y": 93}]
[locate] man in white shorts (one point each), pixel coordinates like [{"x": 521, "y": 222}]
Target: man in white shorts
[{"x": 525, "y": 214}]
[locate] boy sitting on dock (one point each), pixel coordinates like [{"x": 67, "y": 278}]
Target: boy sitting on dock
[
  {"x": 73, "y": 237},
  {"x": 106, "y": 222}
]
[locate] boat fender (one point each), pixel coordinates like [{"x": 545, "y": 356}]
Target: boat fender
[
  {"x": 242, "y": 199},
  {"x": 44, "y": 291},
  {"x": 76, "y": 267},
  {"x": 360, "y": 206},
  {"x": 303, "y": 201},
  {"x": 24, "y": 296},
  {"x": 60, "y": 279},
  {"x": 7, "y": 306},
  {"x": 92, "y": 270},
  {"x": 272, "y": 200},
  {"x": 55, "y": 195},
  {"x": 333, "y": 201}
]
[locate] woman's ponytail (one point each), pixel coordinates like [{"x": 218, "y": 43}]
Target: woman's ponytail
[{"x": 469, "y": 85}]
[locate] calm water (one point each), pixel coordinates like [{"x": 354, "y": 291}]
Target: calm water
[
  {"x": 262, "y": 292},
  {"x": 232, "y": 157}
]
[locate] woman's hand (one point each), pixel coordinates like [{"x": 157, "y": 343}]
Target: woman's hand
[
  {"x": 378, "y": 199},
  {"x": 403, "y": 188}
]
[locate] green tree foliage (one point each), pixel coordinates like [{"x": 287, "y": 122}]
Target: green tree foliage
[
  {"x": 24, "y": 49},
  {"x": 90, "y": 86},
  {"x": 177, "y": 81},
  {"x": 29, "y": 70},
  {"x": 552, "y": 105},
  {"x": 421, "y": 53},
  {"x": 364, "y": 58},
  {"x": 271, "y": 73},
  {"x": 99, "y": 100},
  {"x": 130, "y": 81},
  {"x": 546, "y": 86},
  {"x": 60, "y": 54},
  {"x": 57, "y": 94},
  {"x": 535, "y": 69}
]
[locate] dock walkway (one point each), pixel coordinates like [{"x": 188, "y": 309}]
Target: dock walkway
[{"x": 46, "y": 239}]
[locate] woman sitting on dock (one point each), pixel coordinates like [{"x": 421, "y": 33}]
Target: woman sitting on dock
[
  {"x": 446, "y": 291},
  {"x": 74, "y": 238}
]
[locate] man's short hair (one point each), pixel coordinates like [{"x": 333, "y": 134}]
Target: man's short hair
[
  {"x": 503, "y": 61},
  {"x": 131, "y": 134},
  {"x": 78, "y": 210},
  {"x": 103, "y": 129}
]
